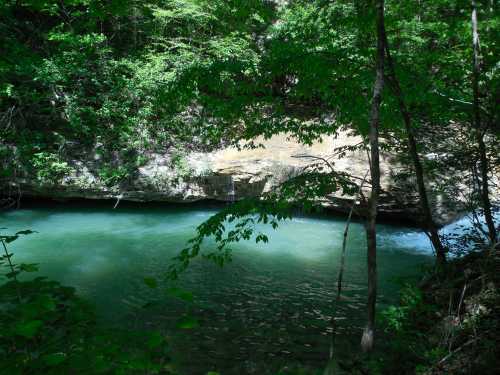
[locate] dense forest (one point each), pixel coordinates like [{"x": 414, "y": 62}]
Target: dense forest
[{"x": 92, "y": 91}]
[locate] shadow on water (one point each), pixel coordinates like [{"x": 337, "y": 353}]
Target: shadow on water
[{"x": 269, "y": 307}]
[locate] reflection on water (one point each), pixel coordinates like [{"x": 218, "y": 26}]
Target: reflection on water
[{"x": 271, "y": 306}]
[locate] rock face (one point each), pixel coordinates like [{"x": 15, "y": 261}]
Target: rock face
[{"x": 229, "y": 174}]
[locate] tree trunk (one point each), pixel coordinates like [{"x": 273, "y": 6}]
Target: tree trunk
[
  {"x": 483, "y": 160},
  {"x": 371, "y": 230},
  {"x": 344, "y": 238},
  {"x": 340, "y": 276},
  {"x": 428, "y": 221}
]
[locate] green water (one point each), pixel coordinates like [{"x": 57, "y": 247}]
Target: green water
[{"x": 270, "y": 307}]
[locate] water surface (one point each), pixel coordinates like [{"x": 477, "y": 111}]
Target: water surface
[{"x": 268, "y": 308}]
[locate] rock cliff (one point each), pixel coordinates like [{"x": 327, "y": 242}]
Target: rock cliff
[{"x": 231, "y": 174}]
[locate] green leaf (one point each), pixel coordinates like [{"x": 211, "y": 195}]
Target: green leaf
[
  {"x": 54, "y": 359},
  {"x": 187, "y": 322},
  {"x": 180, "y": 293},
  {"x": 11, "y": 275},
  {"x": 28, "y": 267},
  {"x": 25, "y": 232},
  {"x": 28, "y": 329},
  {"x": 46, "y": 303},
  {"x": 151, "y": 282},
  {"x": 155, "y": 340},
  {"x": 9, "y": 239}
]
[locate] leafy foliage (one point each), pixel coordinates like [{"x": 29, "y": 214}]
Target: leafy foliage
[
  {"x": 127, "y": 77},
  {"x": 123, "y": 73},
  {"x": 49, "y": 167},
  {"x": 46, "y": 328},
  {"x": 247, "y": 218}
]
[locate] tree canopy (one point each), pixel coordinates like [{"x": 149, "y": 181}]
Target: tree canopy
[{"x": 418, "y": 78}]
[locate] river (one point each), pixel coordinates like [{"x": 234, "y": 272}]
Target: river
[{"x": 267, "y": 309}]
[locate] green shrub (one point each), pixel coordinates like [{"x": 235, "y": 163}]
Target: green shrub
[
  {"x": 113, "y": 176},
  {"x": 46, "y": 329},
  {"x": 179, "y": 163},
  {"x": 407, "y": 347},
  {"x": 49, "y": 167}
]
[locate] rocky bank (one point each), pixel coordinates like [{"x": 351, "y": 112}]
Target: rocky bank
[{"x": 231, "y": 174}]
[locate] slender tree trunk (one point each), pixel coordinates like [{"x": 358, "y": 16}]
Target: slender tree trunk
[
  {"x": 134, "y": 24},
  {"x": 340, "y": 276},
  {"x": 483, "y": 160},
  {"x": 12, "y": 270},
  {"x": 344, "y": 238},
  {"x": 428, "y": 223},
  {"x": 371, "y": 230}
]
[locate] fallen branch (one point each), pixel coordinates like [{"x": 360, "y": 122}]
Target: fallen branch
[{"x": 449, "y": 355}]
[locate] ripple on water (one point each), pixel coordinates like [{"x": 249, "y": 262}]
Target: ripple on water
[{"x": 270, "y": 306}]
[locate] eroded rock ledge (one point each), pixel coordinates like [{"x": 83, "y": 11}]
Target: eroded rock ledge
[{"x": 229, "y": 174}]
